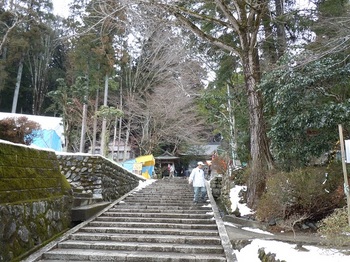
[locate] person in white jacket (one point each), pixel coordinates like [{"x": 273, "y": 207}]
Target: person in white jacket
[{"x": 197, "y": 179}]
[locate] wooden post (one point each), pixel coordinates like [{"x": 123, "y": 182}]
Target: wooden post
[{"x": 346, "y": 183}]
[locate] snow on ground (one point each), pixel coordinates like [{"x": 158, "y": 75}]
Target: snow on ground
[
  {"x": 234, "y": 196},
  {"x": 288, "y": 252},
  {"x": 283, "y": 251},
  {"x": 143, "y": 184}
]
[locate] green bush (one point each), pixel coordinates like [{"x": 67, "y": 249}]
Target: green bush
[
  {"x": 335, "y": 228},
  {"x": 312, "y": 193},
  {"x": 275, "y": 200}
]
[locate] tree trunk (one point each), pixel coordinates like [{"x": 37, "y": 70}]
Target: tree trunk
[
  {"x": 93, "y": 147},
  {"x": 18, "y": 84},
  {"x": 261, "y": 159},
  {"x": 269, "y": 49},
  {"x": 275, "y": 43},
  {"x": 83, "y": 127},
  {"x": 281, "y": 33},
  {"x": 120, "y": 118},
  {"x": 104, "y": 140},
  {"x": 114, "y": 138},
  {"x": 126, "y": 140},
  {"x": 233, "y": 138}
]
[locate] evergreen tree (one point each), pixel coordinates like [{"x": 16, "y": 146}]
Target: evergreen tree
[
  {"x": 26, "y": 54},
  {"x": 308, "y": 95}
]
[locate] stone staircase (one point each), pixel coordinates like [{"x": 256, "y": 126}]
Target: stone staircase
[{"x": 158, "y": 223}]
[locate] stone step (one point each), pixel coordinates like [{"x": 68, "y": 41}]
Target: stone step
[
  {"x": 174, "y": 190},
  {"x": 157, "y": 202},
  {"x": 100, "y": 223},
  {"x": 129, "y": 209},
  {"x": 159, "y": 215},
  {"x": 160, "y": 200},
  {"x": 167, "y": 220},
  {"x": 83, "y": 213},
  {"x": 202, "y": 240},
  {"x": 140, "y": 246},
  {"x": 133, "y": 256},
  {"x": 156, "y": 231},
  {"x": 200, "y": 206},
  {"x": 163, "y": 193}
]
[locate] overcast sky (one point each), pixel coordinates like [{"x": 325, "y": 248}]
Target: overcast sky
[{"x": 61, "y": 7}]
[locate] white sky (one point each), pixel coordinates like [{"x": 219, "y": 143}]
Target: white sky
[
  {"x": 283, "y": 250},
  {"x": 61, "y": 7}
]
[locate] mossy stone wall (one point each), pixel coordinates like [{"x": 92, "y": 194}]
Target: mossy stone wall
[
  {"x": 36, "y": 193},
  {"x": 216, "y": 186},
  {"x": 97, "y": 175},
  {"x": 35, "y": 199}
]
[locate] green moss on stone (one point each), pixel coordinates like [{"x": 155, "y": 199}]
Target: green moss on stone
[{"x": 33, "y": 174}]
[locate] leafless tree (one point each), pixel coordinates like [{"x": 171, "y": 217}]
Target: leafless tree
[
  {"x": 160, "y": 82},
  {"x": 167, "y": 116},
  {"x": 242, "y": 18}
]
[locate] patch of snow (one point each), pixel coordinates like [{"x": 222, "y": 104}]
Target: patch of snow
[
  {"x": 235, "y": 201},
  {"x": 143, "y": 184},
  {"x": 288, "y": 252},
  {"x": 283, "y": 251}
]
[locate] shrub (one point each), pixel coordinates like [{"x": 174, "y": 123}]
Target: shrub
[
  {"x": 335, "y": 228},
  {"x": 220, "y": 164},
  {"x": 240, "y": 176},
  {"x": 18, "y": 130},
  {"x": 312, "y": 193},
  {"x": 274, "y": 201}
]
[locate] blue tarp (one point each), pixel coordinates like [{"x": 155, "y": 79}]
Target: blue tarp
[
  {"x": 47, "y": 139},
  {"x": 147, "y": 170},
  {"x": 129, "y": 164},
  {"x": 51, "y": 132}
]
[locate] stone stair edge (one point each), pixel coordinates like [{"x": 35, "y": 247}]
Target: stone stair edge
[
  {"x": 132, "y": 256},
  {"x": 97, "y": 204},
  {"x": 142, "y": 246}
]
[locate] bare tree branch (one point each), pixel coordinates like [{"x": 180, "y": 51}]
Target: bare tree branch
[{"x": 15, "y": 22}]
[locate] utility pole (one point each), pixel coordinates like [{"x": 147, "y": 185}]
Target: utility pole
[
  {"x": 83, "y": 126},
  {"x": 93, "y": 146},
  {"x": 104, "y": 121},
  {"x": 233, "y": 144},
  {"x": 346, "y": 182}
]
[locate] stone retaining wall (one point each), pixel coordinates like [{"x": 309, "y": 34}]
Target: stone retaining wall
[
  {"x": 97, "y": 175},
  {"x": 216, "y": 186},
  {"x": 36, "y": 193},
  {"x": 221, "y": 187},
  {"x": 35, "y": 199}
]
